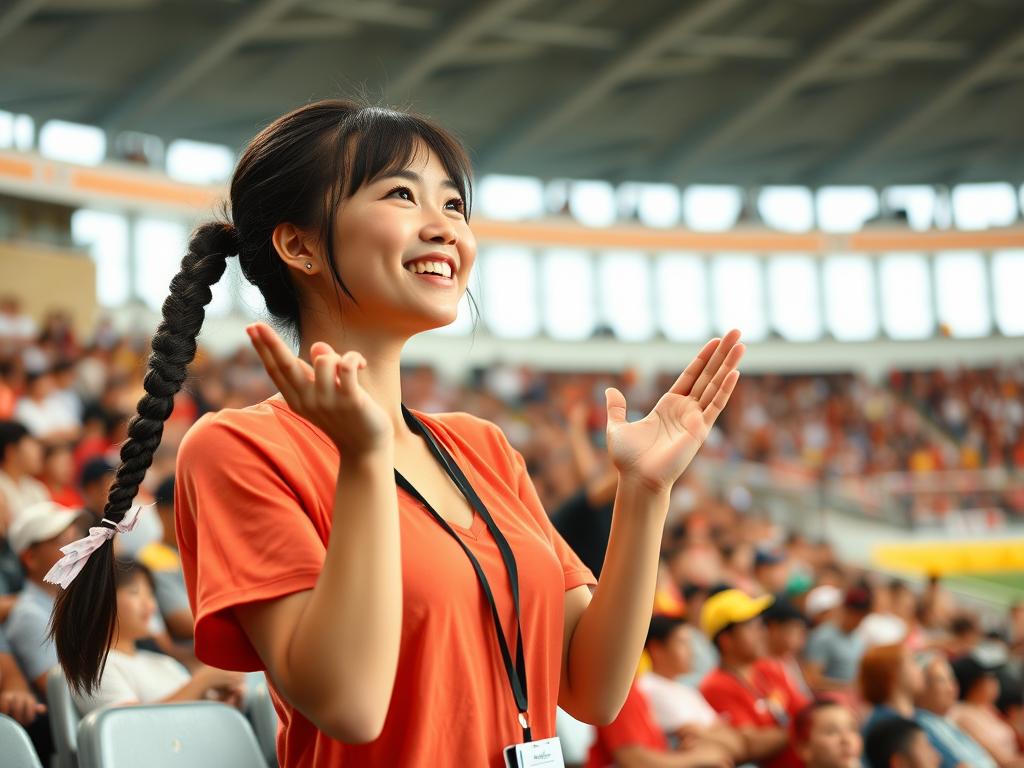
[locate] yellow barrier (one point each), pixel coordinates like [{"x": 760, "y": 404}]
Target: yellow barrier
[{"x": 947, "y": 557}]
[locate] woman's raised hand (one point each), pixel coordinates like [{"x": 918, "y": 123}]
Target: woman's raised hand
[
  {"x": 327, "y": 393},
  {"x": 656, "y": 449}
]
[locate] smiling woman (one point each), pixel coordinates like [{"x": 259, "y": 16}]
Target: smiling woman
[{"x": 342, "y": 543}]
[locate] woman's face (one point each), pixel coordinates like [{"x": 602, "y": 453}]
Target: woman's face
[
  {"x": 392, "y": 229},
  {"x": 911, "y": 676},
  {"x": 135, "y": 608}
]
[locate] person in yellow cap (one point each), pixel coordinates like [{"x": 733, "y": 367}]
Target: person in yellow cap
[{"x": 749, "y": 690}]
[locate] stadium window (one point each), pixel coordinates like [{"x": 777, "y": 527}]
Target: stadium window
[
  {"x": 980, "y": 206},
  {"x": 592, "y": 203},
  {"x": 682, "y": 297},
  {"x": 16, "y": 131},
  {"x": 919, "y": 202},
  {"x": 1007, "y": 278},
  {"x": 711, "y": 208},
  {"x": 961, "y": 294},
  {"x": 794, "y": 297},
  {"x": 509, "y": 279},
  {"x": 159, "y": 246},
  {"x": 568, "y": 294},
  {"x": 625, "y": 294},
  {"x": 510, "y": 198},
  {"x": 72, "y": 142},
  {"x": 737, "y": 295},
  {"x": 850, "y": 309},
  {"x": 197, "y": 162},
  {"x": 905, "y": 287},
  {"x": 790, "y": 209},
  {"x": 653, "y": 205},
  {"x": 105, "y": 234},
  {"x": 845, "y": 209}
]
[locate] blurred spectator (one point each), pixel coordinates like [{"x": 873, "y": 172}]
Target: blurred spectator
[
  {"x": 680, "y": 710},
  {"x": 964, "y": 635},
  {"x": 937, "y": 697},
  {"x": 834, "y": 648},
  {"x": 891, "y": 680},
  {"x": 134, "y": 676},
  {"x": 898, "y": 742},
  {"x": 36, "y": 537},
  {"x": 21, "y": 459},
  {"x": 58, "y": 475},
  {"x": 821, "y": 603},
  {"x": 162, "y": 560},
  {"x": 44, "y": 410},
  {"x": 95, "y": 481},
  {"x": 748, "y": 690},
  {"x": 786, "y": 630},
  {"x": 825, "y": 735},
  {"x": 977, "y": 715},
  {"x": 771, "y": 571}
]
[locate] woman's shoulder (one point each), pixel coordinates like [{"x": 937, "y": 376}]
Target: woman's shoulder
[{"x": 266, "y": 426}]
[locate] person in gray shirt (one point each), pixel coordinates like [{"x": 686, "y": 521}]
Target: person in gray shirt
[
  {"x": 36, "y": 537},
  {"x": 834, "y": 648}
]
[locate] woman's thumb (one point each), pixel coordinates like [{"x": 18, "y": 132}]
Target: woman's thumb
[{"x": 616, "y": 404}]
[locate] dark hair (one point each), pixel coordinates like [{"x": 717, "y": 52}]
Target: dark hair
[
  {"x": 127, "y": 570},
  {"x": 887, "y": 738},
  {"x": 11, "y": 433},
  {"x": 662, "y": 627},
  {"x": 298, "y": 169}
]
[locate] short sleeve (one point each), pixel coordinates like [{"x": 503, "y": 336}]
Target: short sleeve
[
  {"x": 575, "y": 572},
  {"x": 27, "y": 630},
  {"x": 731, "y": 705},
  {"x": 243, "y": 532}
]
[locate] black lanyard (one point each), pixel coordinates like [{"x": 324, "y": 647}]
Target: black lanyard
[{"x": 517, "y": 675}]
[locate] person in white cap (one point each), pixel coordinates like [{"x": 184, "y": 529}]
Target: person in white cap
[{"x": 36, "y": 537}]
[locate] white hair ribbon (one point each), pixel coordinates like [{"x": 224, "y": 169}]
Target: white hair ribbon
[{"x": 77, "y": 553}]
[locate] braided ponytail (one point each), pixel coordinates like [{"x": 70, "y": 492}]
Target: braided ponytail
[{"x": 85, "y": 614}]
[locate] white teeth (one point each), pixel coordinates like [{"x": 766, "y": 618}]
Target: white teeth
[{"x": 436, "y": 267}]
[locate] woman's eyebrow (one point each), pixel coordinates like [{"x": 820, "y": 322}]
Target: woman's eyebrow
[{"x": 417, "y": 179}]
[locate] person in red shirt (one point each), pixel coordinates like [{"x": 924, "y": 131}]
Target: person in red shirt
[
  {"x": 749, "y": 690},
  {"x": 392, "y": 572}
]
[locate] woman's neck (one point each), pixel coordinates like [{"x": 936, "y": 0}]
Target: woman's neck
[
  {"x": 124, "y": 646},
  {"x": 381, "y": 378}
]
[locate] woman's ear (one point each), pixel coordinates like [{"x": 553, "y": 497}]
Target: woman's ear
[{"x": 296, "y": 248}]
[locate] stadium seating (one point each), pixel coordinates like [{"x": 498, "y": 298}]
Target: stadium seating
[
  {"x": 185, "y": 735},
  {"x": 15, "y": 745},
  {"x": 264, "y": 721},
  {"x": 64, "y": 719}
]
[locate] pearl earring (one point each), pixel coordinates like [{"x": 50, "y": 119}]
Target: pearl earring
[{"x": 309, "y": 265}]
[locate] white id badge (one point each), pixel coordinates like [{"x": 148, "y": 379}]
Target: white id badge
[{"x": 546, "y": 753}]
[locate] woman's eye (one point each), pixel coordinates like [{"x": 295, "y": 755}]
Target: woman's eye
[
  {"x": 456, "y": 204},
  {"x": 403, "y": 193}
]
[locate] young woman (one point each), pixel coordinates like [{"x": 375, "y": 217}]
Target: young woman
[
  {"x": 393, "y": 572},
  {"x": 133, "y": 676}
]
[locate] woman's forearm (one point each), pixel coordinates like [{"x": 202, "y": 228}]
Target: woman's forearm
[
  {"x": 609, "y": 637},
  {"x": 347, "y": 636}
]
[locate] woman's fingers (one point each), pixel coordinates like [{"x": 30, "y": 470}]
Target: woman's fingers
[
  {"x": 289, "y": 373},
  {"x": 684, "y": 383},
  {"x": 721, "y": 398},
  {"x": 715, "y": 363},
  {"x": 325, "y": 386},
  {"x": 728, "y": 366}
]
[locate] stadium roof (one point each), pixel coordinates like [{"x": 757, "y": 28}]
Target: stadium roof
[{"x": 722, "y": 91}]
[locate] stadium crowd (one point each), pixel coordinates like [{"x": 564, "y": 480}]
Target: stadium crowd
[{"x": 764, "y": 648}]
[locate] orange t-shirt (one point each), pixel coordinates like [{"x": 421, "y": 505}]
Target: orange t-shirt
[{"x": 254, "y": 512}]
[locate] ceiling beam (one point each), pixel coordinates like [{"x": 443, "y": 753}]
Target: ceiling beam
[
  {"x": 998, "y": 61},
  {"x": 447, "y": 44},
  {"x": 167, "y": 81},
  {"x": 17, "y": 14},
  {"x": 383, "y": 13},
  {"x": 880, "y": 17},
  {"x": 626, "y": 64}
]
